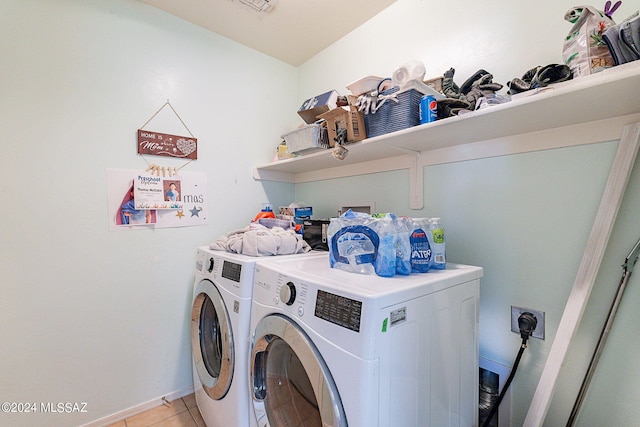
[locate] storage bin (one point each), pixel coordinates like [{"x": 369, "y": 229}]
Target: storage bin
[
  {"x": 307, "y": 139},
  {"x": 393, "y": 116}
]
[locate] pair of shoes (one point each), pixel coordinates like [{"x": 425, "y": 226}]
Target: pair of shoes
[
  {"x": 451, "y": 90},
  {"x": 482, "y": 86},
  {"x": 553, "y": 73},
  {"x": 468, "y": 84},
  {"x": 479, "y": 84},
  {"x": 623, "y": 40},
  {"x": 449, "y": 107},
  {"x": 540, "y": 77},
  {"x": 523, "y": 84}
]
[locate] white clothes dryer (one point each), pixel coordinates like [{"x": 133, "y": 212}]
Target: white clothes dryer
[
  {"x": 220, "y": 335},
  {"x": 332, "y": 348}
]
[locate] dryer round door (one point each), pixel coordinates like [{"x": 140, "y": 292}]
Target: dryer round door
[
  {"x": 212, "y": 340},
  {"x": 291, "y": 383}
]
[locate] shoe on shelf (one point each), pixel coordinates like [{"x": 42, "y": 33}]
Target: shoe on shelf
[{"x": 553, "y": 73}]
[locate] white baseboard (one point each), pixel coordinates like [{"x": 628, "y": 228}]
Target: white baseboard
[{"x": 134, "y": 410}]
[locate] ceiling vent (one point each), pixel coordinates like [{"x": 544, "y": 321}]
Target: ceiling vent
[{"x": 260, "y": 5}]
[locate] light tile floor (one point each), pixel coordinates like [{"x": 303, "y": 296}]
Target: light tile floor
[{"x": 179, "y": 413}]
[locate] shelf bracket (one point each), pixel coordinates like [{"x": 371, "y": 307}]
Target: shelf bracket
[
  {"x": 416, "y": 182},
  {"x": 416, "y": 177},
  {"x": 273, "y": 175},
  {"x": 404, "y": 150}
]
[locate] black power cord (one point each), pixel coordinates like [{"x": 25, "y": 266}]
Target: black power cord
[{"x": 527, "y": 323}]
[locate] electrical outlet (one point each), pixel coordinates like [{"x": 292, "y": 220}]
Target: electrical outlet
[{"x": 515, "y": 314}]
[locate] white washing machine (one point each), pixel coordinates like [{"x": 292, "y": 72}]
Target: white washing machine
[
  {"x": 220, "y": 335},
  {"x": 332, "y": 348}
]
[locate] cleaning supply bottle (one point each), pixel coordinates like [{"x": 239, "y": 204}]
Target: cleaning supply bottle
[
  {"x": 438, "y": 258},
  {"x": 420, "y": 247},
  {"x": 385, "y": 262},
  {"x": 266, "y": 212}
]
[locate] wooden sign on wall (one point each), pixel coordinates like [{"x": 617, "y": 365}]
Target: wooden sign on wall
[{"x": 162, "y": 144}]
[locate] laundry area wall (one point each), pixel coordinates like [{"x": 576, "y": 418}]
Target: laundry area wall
[
  {"x": 92, "y": 315},
  {"x": 96, "y": 316},
  {"x": 524, "y": 218}
]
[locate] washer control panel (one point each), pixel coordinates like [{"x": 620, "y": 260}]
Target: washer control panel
[
  {"x": 338, "y": 309},
  {"x": 288, "y": 293},
  {"x": 292, "y": 294}
]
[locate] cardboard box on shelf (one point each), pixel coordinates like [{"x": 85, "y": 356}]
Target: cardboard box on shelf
[
  {"x": 313, "y": 107},
  {"x": 435, "y": 83},
  {"x": 356, "y": 130},
  {"x": 338, "y": 117},
  {"x": 352, "y": 100},
  {"x": 345, "y": 118}
]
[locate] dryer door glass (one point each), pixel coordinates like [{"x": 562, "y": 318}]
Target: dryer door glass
[
  {"x": 210, "y": 338},
  {"x": 283, "y": 361},
  {"x": 212, "y": 342},
  {"x": 290, "y": 398}
]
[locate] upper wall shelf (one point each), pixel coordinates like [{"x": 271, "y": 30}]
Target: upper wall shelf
[{"x": 611, "y": 93}]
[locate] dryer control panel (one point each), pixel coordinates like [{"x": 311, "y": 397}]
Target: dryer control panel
[{"x": 231, "y": 271}]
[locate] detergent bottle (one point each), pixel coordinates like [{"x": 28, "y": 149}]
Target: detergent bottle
[{"x": 266, "y": 212}]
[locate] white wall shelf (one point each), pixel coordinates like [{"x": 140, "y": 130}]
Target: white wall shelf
[{"x": 592, "y": 109}]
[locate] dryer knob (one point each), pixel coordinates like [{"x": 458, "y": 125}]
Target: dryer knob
[
  {"x": 288, "y": 293},
  {"x": 210, "y": 268}
]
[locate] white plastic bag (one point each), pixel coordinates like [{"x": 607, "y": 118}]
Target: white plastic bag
[
  {"x": 584, "y": 50},
  {"x": 353, "y": 242}
]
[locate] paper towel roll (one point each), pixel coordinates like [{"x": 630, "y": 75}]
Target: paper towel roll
[{"x": 413, "y": 70}]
